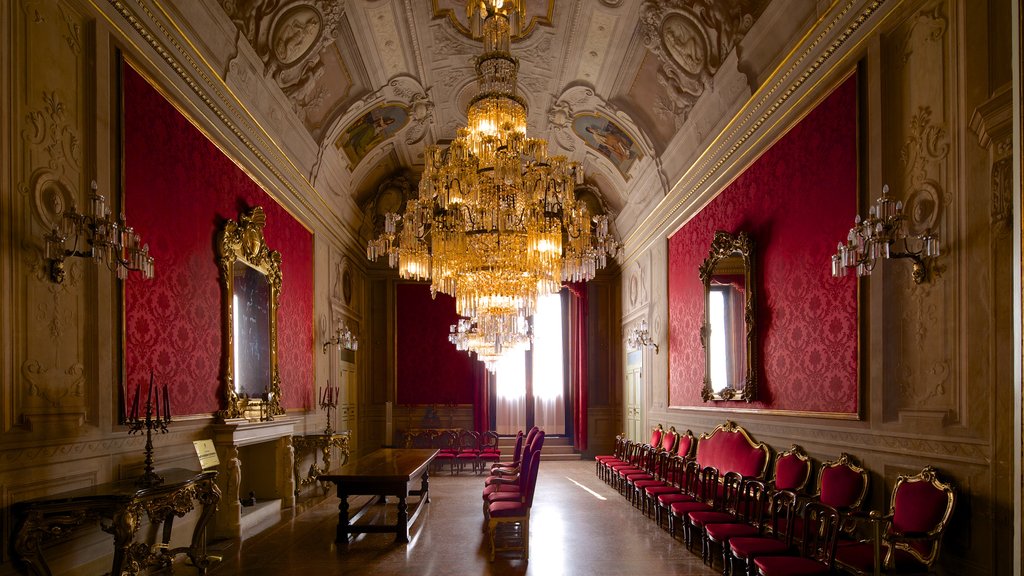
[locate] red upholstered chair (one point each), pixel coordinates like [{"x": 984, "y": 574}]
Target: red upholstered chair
[
  {"x": 631, "y": 463},
  {"x": 817, "y": 551},
  {"x": 664, "y": 469},
  {"x": 707, "y": 498},
  {"x": 908, "y": 539},
  {"x": 842, "y": 485},
  {"x": 512, "y": 467},
  {"x": 685, "y": 445},
  {"x": 602, "y": 462},
  {"x": 688, "y": 490},
  {"x": 489, "y": 452},
  {"x": 753, "y": 501},
  {"x": 656, "y": 433},
  {"x": 517, "y": 453},
  {"x": 645, "y": 470},
  {"x": 726, "y": 511},
  {"x": 513, "y": 515},
  {"x": 448, "y": 447},
  {"x": 792, "y": 470},
  {"x": 776, "y": 535},
  {"x": 668, "y": 440},
  {"x": 469, "y": 449},
  {"x": 494, "y": 485}
]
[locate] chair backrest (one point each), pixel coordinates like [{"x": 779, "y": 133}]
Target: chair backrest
[
  {"x": 921, "y": 504},
  {"x": 708, "y": 485},
  {"x": 842, "y": 484},
  {"x": 421, "y": 439},
  {"x": 519, "y": 446},
  {"x": 821, "y": 533},
  {"x": 752, "y": 502},
  {"x": 531, "y": 483},
  {"x": 447, "y": 439},
  {"x": 469, "y": 441},
  {"x": 782, "y": 511},
  {"x": 489, "y": 440},
  {"x": 792, "y": 469},
  {"x": 668, "y": 440},
  {"x": 730, "y": 449},
  {"x": 690, "y": 482},
  {"x": 729, "y": 495},
  {"x": 656, "y": 433},
  {"x": 684, "y": 447}
]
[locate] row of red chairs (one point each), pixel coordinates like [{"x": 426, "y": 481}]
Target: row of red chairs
[
  {"x": 508, "y": 495},
  {"x": 775, "y": 526},
  {"x": 459, "y": 449}
]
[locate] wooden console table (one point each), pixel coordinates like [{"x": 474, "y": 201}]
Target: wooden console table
[
  {"x": 384, "y": 472},
  {"x": 323, "y": 444},
  {"x": 119, "y": 507}
]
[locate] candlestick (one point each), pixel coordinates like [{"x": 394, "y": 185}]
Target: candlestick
[
  {"x": 135, "y": 404},
  {"x": 167, "y": 405},
  {"x": 152, "y": 420}
]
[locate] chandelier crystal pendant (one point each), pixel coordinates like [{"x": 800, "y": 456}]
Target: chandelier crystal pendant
[
  {"x": 877, "y": 235},
  {"x": 496, "y": 222}
]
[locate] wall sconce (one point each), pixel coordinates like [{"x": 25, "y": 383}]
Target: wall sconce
[
  {"x": 343, "y": 338},
  {"x": 875, "y": 236},
  {"x": 99, "y": 236},
  {"x": 640, "y": 336}
]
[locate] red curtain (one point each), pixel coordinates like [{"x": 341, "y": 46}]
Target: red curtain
[
  {"x": 578, "y": 362},
  {"x": 482, "y": 399}
]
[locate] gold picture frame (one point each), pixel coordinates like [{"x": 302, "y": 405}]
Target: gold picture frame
[{"x": 250, "y": 275}]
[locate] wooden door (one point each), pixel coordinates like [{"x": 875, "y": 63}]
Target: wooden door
[{"x": 634, "y": 394}]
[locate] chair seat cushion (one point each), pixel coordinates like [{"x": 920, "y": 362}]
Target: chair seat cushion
[
  {"x": 861, "y": 555},
  {"x": 644, "y": 484},
  {"x": 789, "y": 566},
  {"x": 507, "y": 509},
  {"x": 743, "y": 547},
  {"x": 702, "y": 517},
  {"x": 725, "y": 532},
  {"x": 661, "y": 490},
  {"x": 684, "y": 508},
  {"x": 505, "y": 497},
  {"x": 636, "y": 476},
  {"x": 672, "y": 498},
  {"x": 494, "y": 488}
]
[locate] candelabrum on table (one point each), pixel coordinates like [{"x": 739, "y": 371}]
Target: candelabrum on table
[
  {"x": 329, "y": 402},
  {"x": 152, "y": 421}
]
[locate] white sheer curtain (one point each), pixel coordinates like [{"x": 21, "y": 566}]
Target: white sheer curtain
[
  {"x": 548, "y": 368},
  {"x": 510, "y": 389}
]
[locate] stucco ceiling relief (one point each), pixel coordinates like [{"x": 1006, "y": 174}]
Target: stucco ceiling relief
[{"x": 691, "y": 39}]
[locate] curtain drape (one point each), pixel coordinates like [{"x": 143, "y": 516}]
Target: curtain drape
[
  {"x": 482, "y": 399},
  {"x": 578, "y": 362}
]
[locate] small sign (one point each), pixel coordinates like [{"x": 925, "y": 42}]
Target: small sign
[{"x": 207, "y": 454}]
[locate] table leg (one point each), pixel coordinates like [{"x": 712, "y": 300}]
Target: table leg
[
  {"x": 402, "y": 528},
  {"x": 342, "y": 533},
  {"x": 424, "y": 486}
]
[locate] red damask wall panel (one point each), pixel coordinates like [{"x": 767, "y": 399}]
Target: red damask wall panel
[
  {"x": 179, "y": 190},
  {"x": 429, "y": 368},
  {"x": 797, "y": 201}
]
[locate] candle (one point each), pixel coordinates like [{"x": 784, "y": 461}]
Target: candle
[
  {"x": 167, "y": 405},
  {"x": 135, "y": 404},
  {"x": 156, "y": 415},
  {"x": 149, "y": 399}
]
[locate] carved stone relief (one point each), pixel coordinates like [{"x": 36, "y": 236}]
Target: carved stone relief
[
  {"x": 51, "y": 381},
  {"x": 289, "y": 37},
  {"x": 923, "y": 315},
  {"x": 391, "y": 196},
  {"x": 691, "y": 39}
]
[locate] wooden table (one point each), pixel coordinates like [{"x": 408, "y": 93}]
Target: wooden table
[
  {"x": 385, "y": 472},
  {"x": 118, "y": 507}
]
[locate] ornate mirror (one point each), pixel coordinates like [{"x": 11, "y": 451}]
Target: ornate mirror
[
  {"x": 729, "y": 332},
  {"x": 251, "y": 280}
]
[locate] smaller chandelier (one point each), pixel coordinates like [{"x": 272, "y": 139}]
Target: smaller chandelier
[
  {"x": 490, "y": 338},
  {"x": 641, "y": 336},
  {"x": 878, "y": 236},
  {"x": 97, "y": 235}
]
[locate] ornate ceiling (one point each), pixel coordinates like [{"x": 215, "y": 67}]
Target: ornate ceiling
[{"x": 630, "y": 88}]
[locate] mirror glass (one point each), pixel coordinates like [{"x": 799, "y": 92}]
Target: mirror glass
[
  {"x": 251, "y": 284},
  {"x": 729, "y": 321},
  {"x": 251, "y": 301}
]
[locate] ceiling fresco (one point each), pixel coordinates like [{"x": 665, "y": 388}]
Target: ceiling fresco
[{"x": 610, "y": 83}]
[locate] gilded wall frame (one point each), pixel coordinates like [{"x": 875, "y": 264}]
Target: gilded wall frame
[{"x": 242, "y": 242}]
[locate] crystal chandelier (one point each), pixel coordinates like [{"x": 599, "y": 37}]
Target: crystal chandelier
[
  {"x": 97, "y": 235},
  {"x": 496, "y": 222},
  {"x": 874, "y": 237}
]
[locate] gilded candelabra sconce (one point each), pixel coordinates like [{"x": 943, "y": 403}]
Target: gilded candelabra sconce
[
  {"x": 343, "y": 338},
  {"x": 97, "y": 235},
  {"x": 877, "y": 236},
  {"x": 153, "y": 419},
  {"x": 641, "y": 336}
]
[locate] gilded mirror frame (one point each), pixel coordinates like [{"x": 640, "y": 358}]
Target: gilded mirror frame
[
  {"x": 724, "y": 246},
  {"x": 243, "y": 242}
]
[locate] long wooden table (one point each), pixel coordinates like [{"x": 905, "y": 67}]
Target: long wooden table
[{"x": 385, "y": 472}]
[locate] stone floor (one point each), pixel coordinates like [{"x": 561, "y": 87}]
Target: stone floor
[{"x": 578, "y": 525}]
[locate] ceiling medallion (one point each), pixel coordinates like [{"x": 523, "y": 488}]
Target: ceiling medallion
[{"x": 496, "y": 223}]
